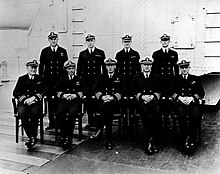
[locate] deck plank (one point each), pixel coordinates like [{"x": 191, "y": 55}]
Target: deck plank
[{"x": 23, "y": 158}]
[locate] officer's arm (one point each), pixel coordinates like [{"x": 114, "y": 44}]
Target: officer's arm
[
  {"x": 42, "y": 63},
  {"x": 79, "y": 65},
  {"x": 18, "y": 91}
]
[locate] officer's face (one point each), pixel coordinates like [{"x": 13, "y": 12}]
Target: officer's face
[
  {"x": 53, "y": 41},
  {"x": 184, "y": 70},
  {"x": 110, "y": 68},
  {"x": 32, "y": 70},
  {"x": 146, "y": 67},
  {"x": 70, "y": 71},
  {"x": 90, "y": 43},
  {"x": 165, "y": 44},
  {"x": 126, "y": 44}
]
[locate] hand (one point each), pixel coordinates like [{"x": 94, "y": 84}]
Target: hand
[
  {"x": 111, "y": 98},
  {"x": 147, "y": 98},
  {"x": 182, "y": 99},
  {"x": 106, "y": 98},
  {"x": 189, "y": 100},
  {"x": 30, "y": 100},
  {"x": 67, "y": 96},
  {"x": 186, "y": 100},
  {"x": 73, "y": 96}
]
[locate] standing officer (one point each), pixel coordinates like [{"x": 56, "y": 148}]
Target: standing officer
[
  {"x": 52, "y": 59},
  {"x": 29, "y": 91},
  {"x": 146, "y": 90},
  {"x": 188, "y": 92},
  {"x": 107, "y": 91},
  {"x": 69, "y": 90},
  {"x": 90, "y": 65},
  {"x": 127, "y": 67},
  {"x": 165, "y": 64},
  {"x": 127, "y": 63}
]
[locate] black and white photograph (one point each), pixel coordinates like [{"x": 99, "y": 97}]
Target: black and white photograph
[{"x": 110, "y": 86}]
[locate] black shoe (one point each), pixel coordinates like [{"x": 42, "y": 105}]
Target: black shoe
[
  {"x": 28, "y": 143},
  {"x": 50, "y": 127},
  {"x": 155, "y": 150},
  {"x": 34, "y": 141},
  {"x": 187, "y": 145},
  {"x": 31, "y": 142},
  {"x": 67, "y": 144},
  {"x": 108, "y": 145},
  {"x": 97, "y": 135},
  {"x": 150, "y": 150}
]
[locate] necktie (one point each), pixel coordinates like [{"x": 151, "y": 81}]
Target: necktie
[
  {"x": 110, "y": 76},
  {"x": 184, "y": 76}
]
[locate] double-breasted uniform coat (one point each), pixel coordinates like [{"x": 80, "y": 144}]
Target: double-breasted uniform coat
[{"x": 24, "y": 89}]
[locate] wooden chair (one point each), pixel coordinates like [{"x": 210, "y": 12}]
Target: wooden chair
[{"x": 18, "y": 122}]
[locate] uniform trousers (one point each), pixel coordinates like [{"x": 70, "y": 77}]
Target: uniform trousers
[
  {"x": 67, "y": 112},
  {"x": 151, "y": 118},
  {"x": 90, "y": 105},
  {"x": 30, "y": 115},
  {"x": 107, "y": 110},
  {"x": 188, "y": 116}
]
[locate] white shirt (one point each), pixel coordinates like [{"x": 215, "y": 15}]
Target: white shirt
[
  {"x": 127, "y": 50},
  {"x": 91, "y": 49},
  {"x": 110, "y": 75},
  {"x": 146, "y": 75},
  {"x": 71, "y": 77},
  {"x": 52, "y": 48},
  {"x": 31, "y": 77},
  {"x": 185, "y": 76},
  {"x": 165, "y": 50}
]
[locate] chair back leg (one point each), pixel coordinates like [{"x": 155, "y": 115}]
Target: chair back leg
[
  {"x": 16, "y": 129},
  {"x": 80, "y": 127},
  {"x": 41, "y": 130}
]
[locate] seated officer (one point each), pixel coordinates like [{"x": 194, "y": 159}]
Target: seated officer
[
  {"x": 107, "y": 92},
  {"x": 146, "y": 90},
  {"x": 29, "y": 91},
  {"x": 188, "y": 91},
  {"x": 69, "y": 90}
]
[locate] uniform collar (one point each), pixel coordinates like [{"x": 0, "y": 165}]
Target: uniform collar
[
  {"x": 146, "y": 74},
  {"x": 54, "y": 47},
  {"x": 187, "y": 76},
  {"x": 30, "y": 77},
  {"x": 91, "y": 49},
  {"x": 167, "y": 49},
  {"x": 127, "y": 49}
]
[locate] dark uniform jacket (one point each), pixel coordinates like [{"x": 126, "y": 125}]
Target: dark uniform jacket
[
  {"x": 51, "y": 65},
  {"x": 146, "y": 86},
  {"x": 128, "y": 66},
  {"x": 26, "y": 88},
  {"x": 90, "y": 66},
  {"x": 107, "y": 86},
  {"x": 165, "y": 64},
  {"x": 66, "y": 86},
  {"x": 190, "y": 87}
]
